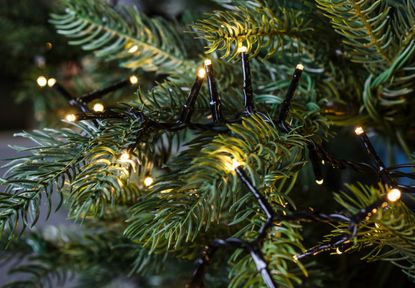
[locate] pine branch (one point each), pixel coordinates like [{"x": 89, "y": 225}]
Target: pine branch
[
  {"x": 258, "y": 29},
  {"x": 389, "y": 231},
  {"x": 132, "y": 39},
  {"x": 366, "y": 29}
]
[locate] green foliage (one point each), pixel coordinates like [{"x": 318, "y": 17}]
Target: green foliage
[
  {"x": 260, "y": 29},
  {"x": 388, "y": 232},
  {"x": 132, "y": 39}
]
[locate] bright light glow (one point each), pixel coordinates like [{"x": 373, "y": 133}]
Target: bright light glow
[
  {"x": 125, "y": 157},
  {"x": 201, "y": 73},
  {"x": 51, "y": 82},
  {"x": 232, "y": 165},
  {"x": 148, "y": 181},
  {"x": 338, "y": 251},
  {"x": 133, "y": 49},
  {"x": 70, "y": 117},
  {"x": 98, "y": 107},
  {"x": 42, "y": 81},
  {"x": 394, "y": 195},
  {"x": 359, "y": 131},
  {"x": 322, "y": 162},
  {"x": 133, "y": 79},
  {"x": 208, "y": 62},
  {"x": 295, "y": 258},
  {"x": 300, "y": 67},
  {"x": 242, "y": 49},
  {"x": 319, "y": 182}
]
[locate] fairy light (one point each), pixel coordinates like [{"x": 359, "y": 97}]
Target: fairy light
[
  {"x": 70, "y": 117},
  {"x": 133, "y": 49},
  {"x": 42, "y": 81},
  {"x": 242, "y": 49},
  {"x": 98, "y": 107},
  {"x": 208, "y": 62},
  {"x": 300, "y": 67},
  {"x": 133, "y": 79},
  {"x": 148, "y": 181},
  {"x": 394, "y": 195},
  {"x": 51, "y": 82},
  {"x": 359, "y": 131},
  {"x": 201, "y": 73},
  {"x": 125, "y": 156},
  {"x": 338, "y": 251},
  {"x": 319, "y": 181}
]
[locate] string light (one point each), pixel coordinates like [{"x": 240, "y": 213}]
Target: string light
[
  {"x": 208, "y": 62},
  {"x": 133, "y": 79},
  {"x": 201, "y": 73},
  {"x": 394, "y": 195},
  {"x": 70, "y": 117},
  {"x": 300, "y": 67},
  {"x": 338, "y": 251},
  {"x": 359, "y": 131},
  {"x": 51, "y": 82},
  {"x": 42, "y": 81},
  {"x": 125, "y": 157},
  {"x": 242, "y": 49},
  {"x": 319, "y": 182},
  {"x": 98, "y": 107},
  {"x": 133, "y": 49},
  {"x": 148, "y": 181}
]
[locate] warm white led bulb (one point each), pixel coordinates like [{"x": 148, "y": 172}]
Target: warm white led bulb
[
  {"x": 394, "y": 195},
  {"x": 51, "y": 82},
  {"x": 319, "y": 182},
  {"x": 98, "y": 107},
  {"x": 208, "y": 62},
  {"x": 133, "y": 79},
  {"x": 125, "y": 157},
  {"x": 70, "y": 117},
  {"x": 133, "y": 49},
  {"x": 242, "y": 49},
  {"x": 235, "y": 164},
  {"x": 359, "y": 130},
  {"x": 300, "y": 67},
  {"x": 338, "y": 251},
  {"x": 148, "y": 181},
  {"x": 201, "y": 73},
  {"x": 42, "y": 81}
]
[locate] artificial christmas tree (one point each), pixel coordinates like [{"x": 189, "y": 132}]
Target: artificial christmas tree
[{"x": 226, "y": 150}]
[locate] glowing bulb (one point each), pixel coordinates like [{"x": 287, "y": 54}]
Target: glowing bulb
[
  {"x": 133, "y": 79},
  {"x": 319, "y": 182},
  {"x": 148, "y": 181},
  {"x": 338, "y": 251},
  {"x": 42, "y": 81},
  {"x": 70, "y": 117},
  {"x": 323, "y": 162},
  {"x": 377, "y": 225},
  {"x": 201, "y": 73},
  {"x": 98, "y": 107},
  {"x": 300, "y": 67},
  {"x": 235, "y": 164},
  {"x": 51, "y": 82},
  {"x": 208, "y": 62},
  {"x": 394, "y": 195},
  {"x": 125, "y": 157},
  {"x": 359, "y": 131},
  {"x": 295, "y": 258},
  {"x": 133, "y": 49},
  {"x": 242, "y": 49}
]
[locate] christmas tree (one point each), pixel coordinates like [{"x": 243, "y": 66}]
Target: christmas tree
[{"x": 252, "y": 153}]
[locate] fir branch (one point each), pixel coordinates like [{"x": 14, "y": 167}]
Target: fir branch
[
  {"x": 388, "y": 231},
  {"x": 366, "y": 29},
  {"x": 132, "y": 39},
  {"x": 259, "y": 28}
]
